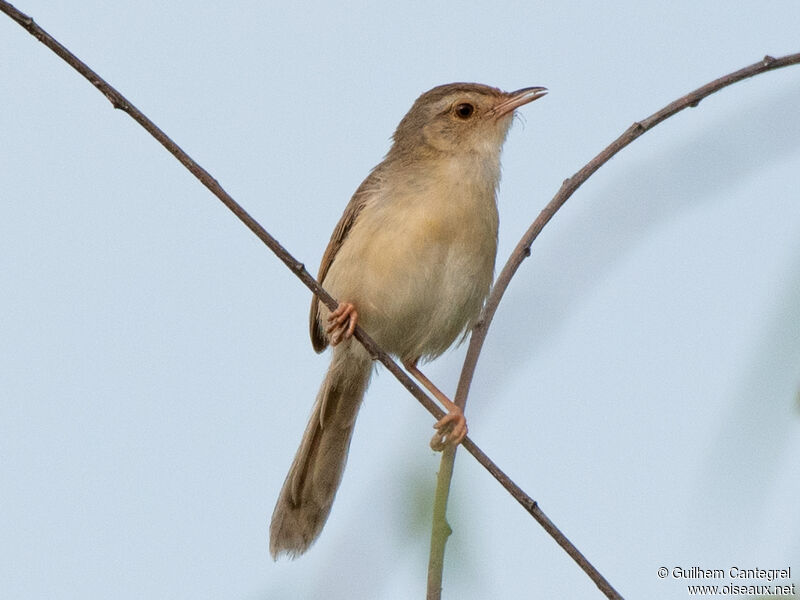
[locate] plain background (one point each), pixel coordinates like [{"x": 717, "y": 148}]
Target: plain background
[{"x": 640, "y": 379}]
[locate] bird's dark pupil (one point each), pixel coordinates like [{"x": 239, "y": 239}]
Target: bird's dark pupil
[{"x": 464, "y": 110}]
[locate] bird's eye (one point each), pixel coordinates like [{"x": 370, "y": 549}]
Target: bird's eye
[{"x": 464, "y": 110}]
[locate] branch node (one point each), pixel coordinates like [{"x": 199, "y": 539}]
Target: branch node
[
  {"x": 768, "y": 60},
  {"x": 694, "y": 103},
  {"x": 446, "y": 530}
]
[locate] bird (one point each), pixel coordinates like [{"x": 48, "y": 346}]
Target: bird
[{"x": 411, "y": 261}]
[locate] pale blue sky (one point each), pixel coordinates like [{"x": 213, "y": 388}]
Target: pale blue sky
[{"x": 641, "y": 379}]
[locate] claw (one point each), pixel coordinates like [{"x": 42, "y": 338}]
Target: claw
[
  {"x": 343, "y": 322},
  {"x": 451, "y": 429}
]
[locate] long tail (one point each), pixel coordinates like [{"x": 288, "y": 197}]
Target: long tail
[{"x": 307, "y": 495}]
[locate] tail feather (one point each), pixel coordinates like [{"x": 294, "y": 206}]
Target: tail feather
[{"x": 307, "y": 495}]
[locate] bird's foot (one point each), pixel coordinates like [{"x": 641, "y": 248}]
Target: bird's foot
[
  {"x": 342, "y": 323},
  {"x": 451, "y": 429}
]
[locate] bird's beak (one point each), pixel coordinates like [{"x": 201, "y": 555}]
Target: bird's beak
[{"x": 514, "y": 100}]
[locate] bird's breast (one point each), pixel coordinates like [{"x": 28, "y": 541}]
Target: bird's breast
[{"x": 419, "y": 262}]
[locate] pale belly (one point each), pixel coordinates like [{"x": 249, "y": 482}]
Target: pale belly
[{"x": 417, "y": 279}]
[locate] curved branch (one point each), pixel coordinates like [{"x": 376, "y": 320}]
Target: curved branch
[
  {"x": 522, "y": 251},
  {"x": 571, "y": 184}
]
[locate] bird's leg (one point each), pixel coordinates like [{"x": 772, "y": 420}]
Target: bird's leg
[
  {"x": 451, "y": 428},
  {"x": 342, "y": 322}
]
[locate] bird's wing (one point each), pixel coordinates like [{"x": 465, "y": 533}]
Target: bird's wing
[{"x": 363, "y": 194}]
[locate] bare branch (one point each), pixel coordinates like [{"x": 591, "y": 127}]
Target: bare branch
[
  {"x": 440, "y": 530},
  {"x": 120, "y": 102},
  {"x": 570, "y": 185}
]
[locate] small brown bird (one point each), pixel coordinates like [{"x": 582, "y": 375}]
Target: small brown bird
[{"x": 411, "y": 261}]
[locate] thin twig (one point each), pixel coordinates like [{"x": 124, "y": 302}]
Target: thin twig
[
  {"x": 570, "y": 185},
  {"x": 298, "y": 268},
  {"x": 440, "y": 530},
  {"x": 120, "y": 102}
]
